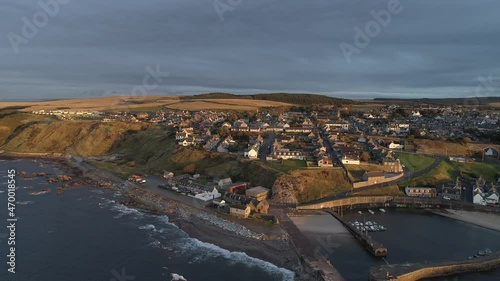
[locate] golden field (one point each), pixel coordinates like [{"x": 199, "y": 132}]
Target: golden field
[{"x": 147, "y": 102}]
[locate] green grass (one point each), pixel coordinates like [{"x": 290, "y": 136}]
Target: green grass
[
  {"x": 286, "y": 166},
  {"x": 444, "y": 173},
  {"x": 447, "y": 172},
  {"x": 414, "y": 162},
  {"x": 489, "y": 171}
]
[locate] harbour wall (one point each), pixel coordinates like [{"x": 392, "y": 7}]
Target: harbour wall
[{"x": 415, "y": 272}]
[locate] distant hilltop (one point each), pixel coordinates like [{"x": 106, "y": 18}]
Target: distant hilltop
[
  {"x": 470, "y": 101},
  {"x": 302, "y": 99}
]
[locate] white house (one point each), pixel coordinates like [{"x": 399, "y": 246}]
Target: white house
[
  {"x": 489, "y": 152},
  {"x": 206, "y": 196},
  {"x": 252, "y": 152},
  {"x": 492, "y": 198},
  {"x": 479, "y": 199},
  {"x": 395, "y": 145}
]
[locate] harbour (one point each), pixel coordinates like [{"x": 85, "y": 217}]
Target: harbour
[{"x": 411, "y": 237}]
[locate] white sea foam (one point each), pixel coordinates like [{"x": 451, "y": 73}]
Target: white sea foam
[
  {"x": 204, "y": 251},
  {"x": 177, "y": 277},
  {"x": 25, "y": 202},
  {"x": 148, "y": 227},
  {"x": 124, "y": 210},
  {"x": 155, "y": 244}
]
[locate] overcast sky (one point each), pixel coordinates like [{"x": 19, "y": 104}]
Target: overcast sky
[{"x": 431, "y": 48}]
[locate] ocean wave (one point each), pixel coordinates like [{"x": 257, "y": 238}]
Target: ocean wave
[
  {"x": 124, "y": 210},
  {"x": 205, "y": 251},
  {"x": 177, "y": 277},
  {"x": 24, "y": 202},
  {"x": 155, "y": 244},
  {"x": 147, "y": 227}
]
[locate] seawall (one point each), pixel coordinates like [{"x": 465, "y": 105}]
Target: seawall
[{"x": 414, "y": 272}]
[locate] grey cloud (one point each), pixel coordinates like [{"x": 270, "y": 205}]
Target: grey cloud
[{"x": 91, "y": 47}]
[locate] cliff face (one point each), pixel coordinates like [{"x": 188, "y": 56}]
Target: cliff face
[{"x": 83, "y": 138}]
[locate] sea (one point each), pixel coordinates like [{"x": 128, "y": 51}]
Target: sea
[{"x": 85, "y": 234}]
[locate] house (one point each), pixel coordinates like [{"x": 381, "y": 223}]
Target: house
[
  {"x": 453, "y": 192},
  {"x": 478, "y": 199},
  {"x": 261, "y": 207},
  {"x": 207, "y": 196},
  {"x": 350, "y": 159},
  {"x": 396, "y": 145},
  {"x": 223, "y": 182},
  {"x": 237, "y": 187},
  {"x": 286, "y": 154},
  {"x": 394, "y": 164},
  {"x": 252, "y": 152},
  {"x": 492, "y": 198},
  {"x": 260, "y": 193},
  {"x": 325, "y": 162},
  {"x": 240, "y": 211},
  {"x": 374, "y": 177},
  {"x": 420, "y": 191},
  {"x": 188, "y": 141}
]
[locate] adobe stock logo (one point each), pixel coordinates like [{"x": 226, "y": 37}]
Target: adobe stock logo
[
  {"x": 223, "y": 6},
  {"x": 151, "y": 81},
  {"x": 372, "y": 29},
  {"x": 40, "y": 19}
]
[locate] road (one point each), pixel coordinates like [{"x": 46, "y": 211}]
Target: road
[{"x": 266, "y": 146}]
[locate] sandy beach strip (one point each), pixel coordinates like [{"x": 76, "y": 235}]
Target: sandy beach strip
[{"x": 487, "y": 220}]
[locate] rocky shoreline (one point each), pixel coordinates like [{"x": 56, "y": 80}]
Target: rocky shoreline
[
  {"x": 268, "y": 243},
  {"x": 273, "y": 247}
]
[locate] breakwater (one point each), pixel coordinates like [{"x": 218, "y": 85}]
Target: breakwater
[
  {"x": 418, "y": 271},
  {"x": 371, "y": 246}
]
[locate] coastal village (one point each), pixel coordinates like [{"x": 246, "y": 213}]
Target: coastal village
[
  {"x": 382, "y": 158},
  {"x": 335, "y": 138}
]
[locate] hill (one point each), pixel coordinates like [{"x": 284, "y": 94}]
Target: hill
[
  {"x": 297, "y": 99},
  {"x": 471, "y": 101}
]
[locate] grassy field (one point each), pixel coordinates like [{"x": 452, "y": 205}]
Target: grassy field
[
  {"x": 447, "y": 172},
  {"x": 286, "y": 166},
  {"x": 316, "y": 184},
  {"x": 414, "y": 162},
  {"x": 495, "y": 104},
  {"x": 129, "y": 103},
  {"x": 444, "y": 173},
  {"x": 489, "y": 171}
]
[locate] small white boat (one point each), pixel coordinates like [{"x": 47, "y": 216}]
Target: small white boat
[
  {"x": 359, "y": 212},
  {"x": 382, "y": 210},
  {"x": 371, "y": 212}
]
